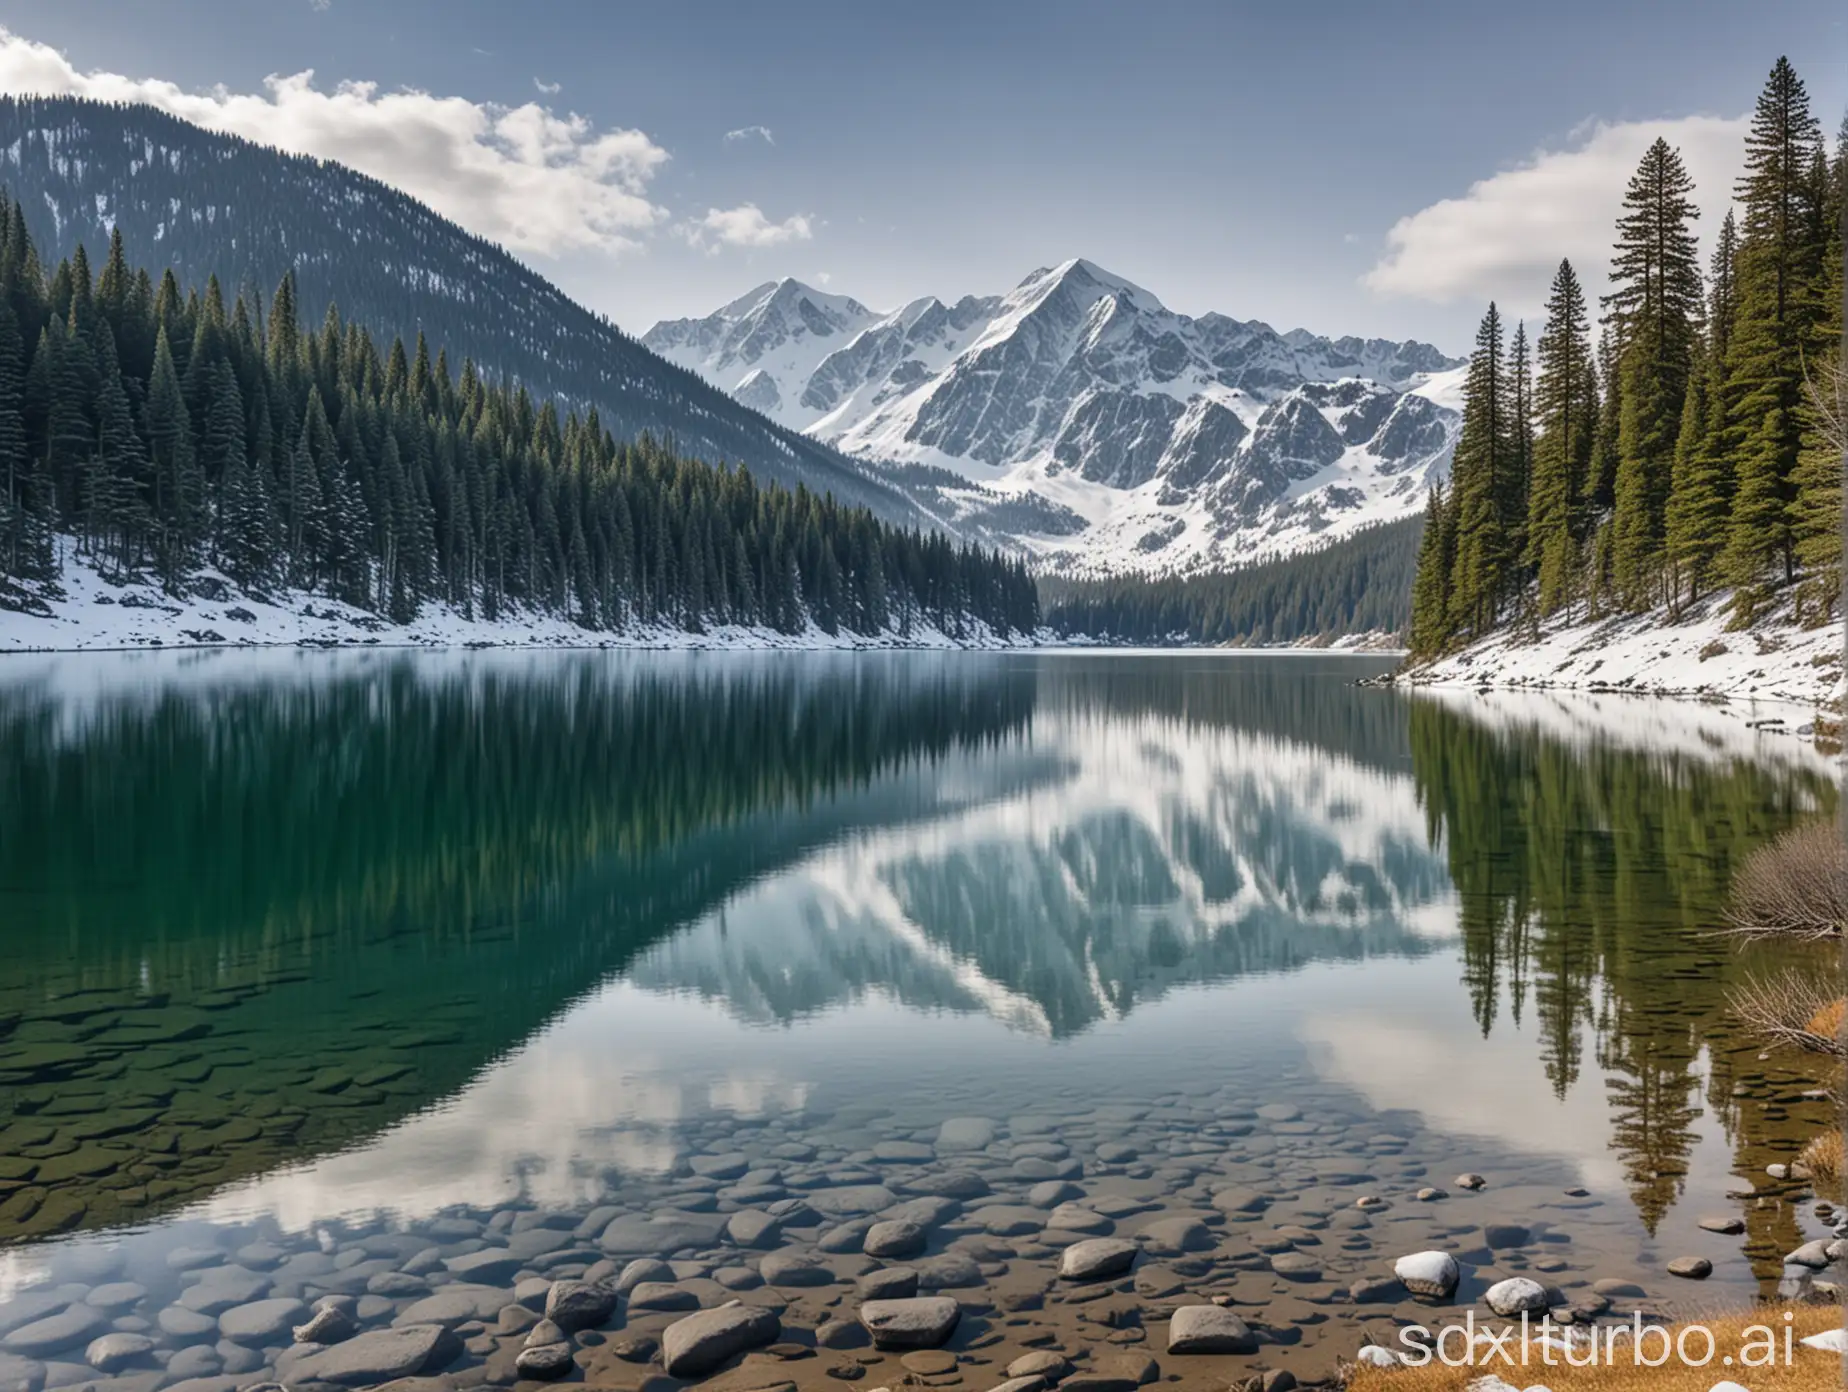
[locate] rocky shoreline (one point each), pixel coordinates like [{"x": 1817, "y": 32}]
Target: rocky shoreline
[{"x": 1253, "y": 1244}]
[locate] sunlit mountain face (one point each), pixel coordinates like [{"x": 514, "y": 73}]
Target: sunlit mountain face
[{"x": 374, "y": 938}]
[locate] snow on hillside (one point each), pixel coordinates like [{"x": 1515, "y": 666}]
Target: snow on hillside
[
  {"x": 1646, "y": 653},
  {"x": 1078, "y": 419},
  {"x": 98, "y": 614}
]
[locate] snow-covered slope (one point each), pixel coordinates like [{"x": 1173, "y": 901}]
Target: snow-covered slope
[{"x": 1079, "y": 418}]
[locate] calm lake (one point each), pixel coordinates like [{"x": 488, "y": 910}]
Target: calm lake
[{"x": 319, "y": 962}]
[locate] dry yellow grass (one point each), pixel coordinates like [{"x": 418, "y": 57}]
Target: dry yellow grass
[
  {"x": 1823, "y": 1158},
  {"x": 1809, "y": 1370},
  {"x": 1827, "y": 1021}
]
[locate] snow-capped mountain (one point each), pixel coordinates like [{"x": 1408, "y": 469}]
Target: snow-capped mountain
[{"x": 1079, "y": 418}]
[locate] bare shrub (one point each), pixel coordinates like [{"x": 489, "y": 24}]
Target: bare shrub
[
  {"x": 1794, "y": 1007},
  {"x": 1797, "y": 886},
  {"x": 1822, "y": 1157}
]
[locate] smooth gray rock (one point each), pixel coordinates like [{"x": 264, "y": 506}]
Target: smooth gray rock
[
  {"x": 727, "y": 1166},
  {"x": 489, "y": 1267},
  {"x": 575, "y": 1305},
  {"x": 456, "y": 1304},
  {"x": 1176, "y": 1236},
  {"x": 951, "y": 1271},
  {"x": 262, "y": 1321},
  {"x": 1377, "y": 1290},
  {"x": 660, "y": 1295},
  {"x": 113, "y": 1352},
  {"x": 663, "y": 1233},
  {"x": 643, "y": 1269},
  {"x": 966, "y": 1133},
  {"x": 850, "y": 1200},
  {"x": 1691, "y": 1268},
  {"x": 545, "y": 1362},
  {"x": 925, "y": 1321},
  {"x": 894, "y": 1238},
  {"x": 199, "y": 1361},
  {"x": 378, "y": 1356},
  {"x": 1501, "y": 1235},
  {"x": 888, "y": 1283},
  {"x": 752, "y": 1227},
  {"x": 789, "y": 1268},
  {"x": 74, "y": 1325},
  {"x": 1239, "y": 1201},
  {"x": 1814, "y": 1255},
  {"x": 116, "y": 1296},
  {"x": 1096, "y": 1259},
  {"x": 1209, "y": 1329},
  {"x": 702, "y": 1342},
  {"x": 224, "y": 1288},
  {"x": 20, "y": 1374},
  {"x": 186, "y": 1326}
]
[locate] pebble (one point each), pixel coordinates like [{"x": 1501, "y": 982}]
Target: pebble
[
  {"x": 1209, "y": 1329},
  {"x": 662, "y": 1295},
  {"x": 545, "y": 1363},
  {"x": 1693, "y": 1268},
  {"x": 895, "y": 1238},
  {"x": 1096, "y": 1259},
  {"x": 643, "y": 1269},
  {"x": 888, "y": 1283},
  {"x": 261, "y": 1322},
  {"x": 1040, "y": 1363},
  {"x": 1469, "y": 1181},
  {"x": 702, "y": 1342},
  {"x": 752, "y": 1227},
  {"x": 925, "y": 1321},
  {"x": 787, "y": 1268},
  {"x": 113, "y": 1352}
]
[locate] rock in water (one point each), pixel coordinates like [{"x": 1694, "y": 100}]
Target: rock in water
[
  {"x": 369, "y": 1359},
  {"x": 113, "y": 1352},
  {"x": 261, "y": 1322},
  {"x": 925, "y": 1321},
  {"x": 1097, "y": 1259},
  {"x": 1432, "y": 1274},
  {"x": 575, "y": 1305},
  {"x": 1209, "y": 1329},
  {"x": 894, "y": 1239},
  {"x": 1694, "y": 1268},
  {"x": 699, "y": 1343},
  {"x": 888, "y": 1283},
  {"x": 545, "y": 1363},
  {"x": 1517, "y": 1293}
]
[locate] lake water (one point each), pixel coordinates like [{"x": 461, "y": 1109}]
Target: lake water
[{"x": 318, "y": 961}]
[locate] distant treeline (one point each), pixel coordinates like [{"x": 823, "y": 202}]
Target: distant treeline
[{"x": 1362, "y": 584}]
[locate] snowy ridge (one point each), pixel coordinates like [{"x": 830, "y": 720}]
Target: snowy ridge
[
  {"x": 97, "y": 614},
  {"x": 1080, "y": 420},
  {"x": 1698, "y": 655}
]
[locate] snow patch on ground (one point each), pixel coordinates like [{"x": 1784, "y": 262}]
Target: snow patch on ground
[
  {"x": 96, "y": 613},
  {"x": 1698, "y": 654}
]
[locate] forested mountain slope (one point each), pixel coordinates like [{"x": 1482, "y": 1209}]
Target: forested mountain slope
[{"x": 204, "y": 204}]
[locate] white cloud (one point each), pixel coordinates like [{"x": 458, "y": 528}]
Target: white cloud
[
  {"x": 750, "y": 133},
  {"x": 1504, "y": 238},
  {"x": 320, "y": 4},
  {"x": 523, "y": 176},
  {"x": 551, "y": 89},
  {"x": 745, "y": 226}
]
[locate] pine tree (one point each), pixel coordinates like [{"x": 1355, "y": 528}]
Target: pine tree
[
  {"x": 1430, "y": 628},
  {"x": 1774, "y": 328},
  {"x": 1655, "y": 306},
  {"x": 1700, "y": 489},
  {"x": 1480, "y": 470},
  {"x": 1566, "y": 411}
]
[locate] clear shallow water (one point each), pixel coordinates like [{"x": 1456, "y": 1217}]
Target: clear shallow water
[{"x": 307, "y": 947}]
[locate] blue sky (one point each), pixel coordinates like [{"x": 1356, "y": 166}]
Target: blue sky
[{"x": 1252, "y": 159}]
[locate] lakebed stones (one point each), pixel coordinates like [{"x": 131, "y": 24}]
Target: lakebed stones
[
  {"x": 456, "y": 1304},
  {"x": 894, "y": 1238},
  {"x": 888, "y": 1283},
  {"x": 1516, "y": 1295},
  {"x": 1691, "y": 1268},
  {"x": 925, "y": 1321},
  {"x": 1729, "y": 1225},
  {"x": 1431, "y": 1274},
  {"x": 752, "y": 1227},
  {"x": 1097, "y": 1259},
  {"x": 662, "y": 1296},
  {"x": 702, "y": 1342},
  {"x": 575, "y": 1305},
  {"x": 378, "y": 1356},
  {"x": 262, "y": 1322},
  {"x": 966, "y": 1133},
  {"x": 1209, "y": 1329},
  {"x": 74, "y": 1325},
  {"x": 113, "y": 1352},
  {"x": 545, "y": 1362}
]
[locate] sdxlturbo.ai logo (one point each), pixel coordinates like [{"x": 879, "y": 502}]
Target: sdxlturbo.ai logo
[{"x": 1579, "y": 1346}]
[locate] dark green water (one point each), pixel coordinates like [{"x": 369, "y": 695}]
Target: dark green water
[{"x": 309, "y": 936}]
